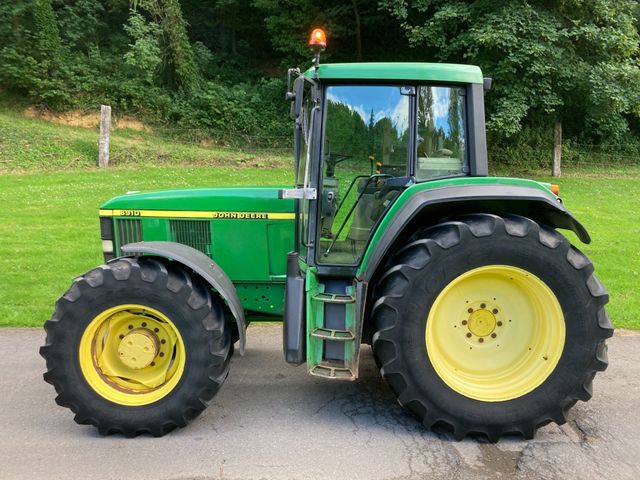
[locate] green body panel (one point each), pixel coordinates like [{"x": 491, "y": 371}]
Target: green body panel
[
  {"x": 251, "y": 250},
  {"x": 435, "y": 184},
  {"x": 433, "y": 72}
]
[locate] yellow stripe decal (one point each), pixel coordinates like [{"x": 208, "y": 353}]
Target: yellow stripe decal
[{"x": 192, "y": 214}]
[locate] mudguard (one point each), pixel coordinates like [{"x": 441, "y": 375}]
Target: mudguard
[
  {"x": 428, "y": 206},
  {"x": 203, "y": 266}
]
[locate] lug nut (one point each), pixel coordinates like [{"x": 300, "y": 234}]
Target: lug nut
[
  {"x": 483, "y": 305},
  {"x": 464, "y": 322},
  {"x": 495, "y": 311},
  {"x": 481, "y": 340},
  {"x": 121, "y": 336},
  {"x": 130, "y": 327},
  {"x": 493, "y": 335},
  {"x": 163, "y": 341},
  {"x": 470, "y": 310},
  {"x": 469, "y": 335},
  {"x": 156, "y": 329},
  {"x": 499, "y": 324},
  {"x": 144, "y": 324},
  {"x": 162, "y": 354},
  {"x": 153, "y": 364}
]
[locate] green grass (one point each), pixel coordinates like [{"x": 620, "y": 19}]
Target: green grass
[
  {"x": 50, "y": 193},
  {"x": 608, "y": 208}
]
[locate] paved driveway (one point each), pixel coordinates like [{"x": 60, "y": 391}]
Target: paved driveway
[{"x": 272, "y": 421}]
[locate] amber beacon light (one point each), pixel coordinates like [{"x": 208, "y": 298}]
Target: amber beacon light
[{"x": 318, "y": 39}]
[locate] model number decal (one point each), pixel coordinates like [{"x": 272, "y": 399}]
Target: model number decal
[{"x": 130, "y": 213}]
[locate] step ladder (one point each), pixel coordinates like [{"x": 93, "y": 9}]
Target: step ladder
[{"x": 333, "y": 339}]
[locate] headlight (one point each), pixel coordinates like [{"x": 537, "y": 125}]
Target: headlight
[
  {"x": 107, "y": 246},
  {"x": 106, "y": 235}
]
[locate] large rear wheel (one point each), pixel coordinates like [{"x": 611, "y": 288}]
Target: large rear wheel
[
  {"x": 137, "y": 346},
  {"x": 490, "y": 325}
]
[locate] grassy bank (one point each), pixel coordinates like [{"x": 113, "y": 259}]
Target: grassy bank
[
  {"x": 29, "y": 145},
  {"x": 50, "y": 193}
]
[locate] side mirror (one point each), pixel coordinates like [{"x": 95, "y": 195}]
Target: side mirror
[
  {"x": 290, "y": 74},
  {"x": 488, "y": 83},
  {"x": 295, "y": 97}
]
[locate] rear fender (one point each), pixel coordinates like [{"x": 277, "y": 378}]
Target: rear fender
[
  {"x": 428, "y": 207},
  {"x": 201, "y": 264}
]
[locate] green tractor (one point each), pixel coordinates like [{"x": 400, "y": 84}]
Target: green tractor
[{"x": 483, "y": 319}]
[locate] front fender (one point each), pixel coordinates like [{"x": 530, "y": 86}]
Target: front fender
[
  {"x": 203, "y": 266},
  {"x": 428, "y": 207}
]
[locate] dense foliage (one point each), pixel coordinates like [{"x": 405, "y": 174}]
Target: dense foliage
[
  {"x": 218, "y": 66},
  {"x": 574, "y": 61}
]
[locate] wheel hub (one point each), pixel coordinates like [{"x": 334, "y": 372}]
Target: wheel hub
[
  {"x": 482, "y": 323},
  {"x": 138, "y": 348},
  {"x": 495, "y": 333}
]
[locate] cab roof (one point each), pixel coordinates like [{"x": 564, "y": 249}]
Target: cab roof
[{"x": 435, "y": 72}]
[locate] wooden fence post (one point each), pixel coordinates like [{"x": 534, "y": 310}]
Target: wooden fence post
[
  {"x": 105, "y": 127},
  {"x": 557, "y": 150}
]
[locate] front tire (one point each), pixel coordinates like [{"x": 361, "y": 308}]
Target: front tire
[
  {"x": 489, "y": 325},
  {"x": 137, "y": 346}
]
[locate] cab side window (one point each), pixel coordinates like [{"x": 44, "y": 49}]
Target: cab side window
[{"x": 441, "y": 132}]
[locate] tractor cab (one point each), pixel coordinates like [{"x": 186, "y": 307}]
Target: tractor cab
[{"x": 361, "y": 141}]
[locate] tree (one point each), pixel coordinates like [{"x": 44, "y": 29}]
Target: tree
[
  {"x": 31, "y": 53},
  {"x": 82, "y": 22},
  {"x": 569, "y": 61},
  {"x": 180, "y": 69},
  {"x": 144, "y": 52}
]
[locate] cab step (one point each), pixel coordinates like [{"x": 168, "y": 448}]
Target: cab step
[
  {"x": 339, "y": 298},
  {"x": 331, "y": 334},
  {"x": 333, "y": 370},
  {"x": 333, "y": 340}
]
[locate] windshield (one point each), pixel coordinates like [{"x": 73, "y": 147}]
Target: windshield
[{"x": 366, "y": 142}]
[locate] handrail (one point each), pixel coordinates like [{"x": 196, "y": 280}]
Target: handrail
[{"x": 335, "y": 238}]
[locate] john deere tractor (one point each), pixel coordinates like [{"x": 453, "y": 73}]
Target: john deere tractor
[{"x": 482, "y": 317}]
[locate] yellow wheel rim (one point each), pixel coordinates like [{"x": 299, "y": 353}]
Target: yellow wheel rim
[
  {"x": 495, "y": 333},
  {"x": 132, "y": 355}
]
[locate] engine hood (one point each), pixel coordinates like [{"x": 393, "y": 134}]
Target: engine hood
[{"x": 225, "y": 199}]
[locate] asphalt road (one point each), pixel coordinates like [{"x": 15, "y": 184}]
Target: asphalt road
[{"x": 272, "y": 421}]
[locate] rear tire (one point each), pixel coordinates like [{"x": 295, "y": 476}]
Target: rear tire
[
  {"x": 174, "y": 321},
  {"x": 427, "y": 318}
]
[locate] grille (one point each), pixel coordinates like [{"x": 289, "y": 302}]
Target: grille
[
  {"x": 128, "y": 231},
  {"x": 195, "y": 233}
]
